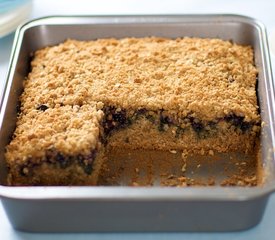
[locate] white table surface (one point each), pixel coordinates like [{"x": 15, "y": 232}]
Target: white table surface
[{"x": 263, "y": 10}]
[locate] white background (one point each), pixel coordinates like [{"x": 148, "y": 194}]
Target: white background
[{"x": 262, "y": 10}]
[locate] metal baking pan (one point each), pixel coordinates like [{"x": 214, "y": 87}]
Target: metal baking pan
[{"x": 122, "y": 208}]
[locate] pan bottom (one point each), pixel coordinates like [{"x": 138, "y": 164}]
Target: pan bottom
[{"x": 172, "y": 168}]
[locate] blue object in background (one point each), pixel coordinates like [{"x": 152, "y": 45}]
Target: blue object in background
[
  {"x": 12, "y": 14},
  {"x": 8, "y": 5}
]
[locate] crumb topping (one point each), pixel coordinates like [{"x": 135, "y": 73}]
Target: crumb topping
[
  {"x": 209, "y": 78},
  {"x": 69, "y": 130}
]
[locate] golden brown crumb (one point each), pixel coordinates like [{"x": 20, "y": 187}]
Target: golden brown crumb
[
  {"x": 209, "y": 78},
  {"x": 211, "y": 152},
  {"x": 173, "y": 151}
]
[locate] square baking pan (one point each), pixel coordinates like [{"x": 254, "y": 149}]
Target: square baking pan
[{"x": 122, "y": 208}]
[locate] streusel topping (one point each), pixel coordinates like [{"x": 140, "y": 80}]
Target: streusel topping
[{"x": 209, "y": 78}]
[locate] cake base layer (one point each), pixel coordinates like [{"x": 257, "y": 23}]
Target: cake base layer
[
  {"x": 143, "y": 134},
  {"x": 77, "y": 171}
]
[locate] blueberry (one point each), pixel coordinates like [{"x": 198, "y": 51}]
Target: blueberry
[
  {"x": 24, "y": 171},
  {"x": 141, "y": 111},
  {"x": 115, "y": 119},
  {"x": 54, "y": 157},
  {"x": 50, "y": 155},
  {"x": 80, "y": 158},
  {"x": 161, "y": 127},
  {"x": 196, "y": 124},
  {"x": 150, "y": 118},
  {"x": 88, "y": 169},
  {"x": 42, "y": 107},
  {"x": 197, "y": 127},
  {"x": 245, "y": 126},
  {"x": 238, "y": 121},
  {"x": 164, "y": 120},
  {"x": 119, "y": 117},
  {"x": 86, "y": 162},
  {"x": 18, "y": 107},
  {"x": 179, "y": 132},
  {"x": 64, "y": 161}
]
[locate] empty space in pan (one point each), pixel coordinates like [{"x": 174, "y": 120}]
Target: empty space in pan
[{"x": 159, "y": 168}]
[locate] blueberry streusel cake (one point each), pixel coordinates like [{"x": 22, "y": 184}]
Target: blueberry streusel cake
[
  {"x": 57, "y": 146},
  {"x": 188, "y": 94}
]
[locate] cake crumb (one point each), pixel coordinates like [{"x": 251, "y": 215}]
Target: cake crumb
[
  {"x": 173, "y": 151},
  {"x": 202, "y": 152},
  {"x": 171, "y": 176},
  {"x": 211, "y": 152},
  {"x": 184, "y": 155},
  {"x": 241, "y": 181},
  {"x": 182, "y": 182},
  {"x": 25, "y": 171},
  {"x": 135, "y": 184},
  {"x": 183, "y": 168}
]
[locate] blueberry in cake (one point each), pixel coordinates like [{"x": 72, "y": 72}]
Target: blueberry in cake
[{"x": 189, "y": 94}]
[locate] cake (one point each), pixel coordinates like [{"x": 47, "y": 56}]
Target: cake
[
  {"x": 58, "y": 145},
  {"x": 188, "y": 94}
]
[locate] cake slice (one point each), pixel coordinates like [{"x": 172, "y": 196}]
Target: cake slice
[{"x": 56, "y": 147}]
